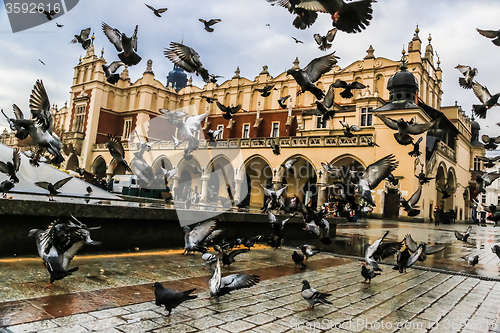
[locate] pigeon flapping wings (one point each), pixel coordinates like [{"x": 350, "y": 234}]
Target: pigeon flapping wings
[
  {"x": 200, "y": 233},
  {"x": 40, "y": 106},
  {"x": 187, "y": 58},
  {"x": 193, "y": 123},
  {"x": 389, "y": 122},
  {"x": 427, "y": 249},
  {"x": 319, "y": 66},
  {"x": 224, "y": 285},
  {"x": 412, "y": 202},
  {"x": 481, "y": 92},
  {"x": 114, "y": 36},
  {"x": 228, "y": 109},
  {"x": 115, "y": 148},
  {"x": 378, "y": 171},
  {"x": 492, "y": 34}
]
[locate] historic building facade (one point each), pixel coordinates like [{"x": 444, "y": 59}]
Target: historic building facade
[{"x": 131, "y": 111}]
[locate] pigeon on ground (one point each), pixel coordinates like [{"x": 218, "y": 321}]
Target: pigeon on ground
[
  {"x": 158, "y": 11},
  {"x": 208, "y": 24},
  {"x": 489, "y": 162},
  {"x": 349, "y": 129},
  {"x": 127, "y": 46},
  {"x": 312, "y": 72},
  {"x": 282, "y": 100},
  {"x": 187, "y": 58},
  {"x": 374, "y": 174},
  {"x": 312, "y": 296},
  {"x": 412, "y": 246},
  {"x": 463, "y": 237},
  {"x": 494, "y": 35},
  {"x": 298, "y": 259},
  {"x": 48, "y": 14},
  {"x": 346, "y": 93},
  {"x": 380, "y": 250},
  {"x": 496, "y": 250},
  {"x": 471, "y": 260},
  {"x": 405, "y": 128},
  {"x": 468, "y": 73},
  {"x": 490, "y": 143},
  {"x": 368, "y": 274},
  {"x": 485, "y": 180},
  {"x": 266, "y": 91},
  {"x": 109, "y": 71},
  {"x": 171, "y": 298},
  {"x": 83, "y": 38},
  {"x": 194, "y": 239},
  {"x": 228, "y": 258},
  {"x": 117, "y": 152},
  {"x": 53, "y": 188},
  {"x": 324, "y": 42},
  {"x": 18, "y": 124},
  {"x": 228, "y": 110},
  {"x": 275, "y": 146},
  {"x": 416, "y": 148},
  {"x": 308, "y": 250},
  {"x": 11, "y": 168},
  {"x": 297, "y": 41},
  {"x": 410, "y": 206},
  {"x": 220, "y": 286},
  {"x": 488, "y": 101},
  {"x": 406, "y": 260}
]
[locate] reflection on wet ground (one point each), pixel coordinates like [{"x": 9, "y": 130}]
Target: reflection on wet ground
[{"x": 351, "y": 238}]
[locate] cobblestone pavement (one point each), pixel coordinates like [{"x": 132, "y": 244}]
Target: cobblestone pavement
[{"x": 417, "y": 301}]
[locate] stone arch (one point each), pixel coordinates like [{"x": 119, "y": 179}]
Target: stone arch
[
  {"x": 440, "y": 184},
  {"x": 188, "y": 176},
  {"x": 227, "y": 99},
  {"x": 451, "y": 184},
  {"x": 253, "y": 100},
  {"x": 301, "y": 180},
  {"x": 334, "y": 184},
  {"x": 73, "y": 162},
  {"x": 99, "y": 167},
  {"x": 258, "y": 171},
  {"x": 154, "y": 101},
  {"x": 161, "y": 162},
  {"x": 111, "y": 99},
  {"x": 220, "y": 173},
  {"x": 116, "y": 169}
]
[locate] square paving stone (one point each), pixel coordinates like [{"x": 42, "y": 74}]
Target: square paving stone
[
  {"x": 74, "y": 328},
  {"x": 178, "y": 328},
  {"x": 32, "y": 327},
  {"x": 260, "y": 318},
  {"x": 204, "y": 323},
  {"x": 138, "y": 327},
  {"x": 108, "y": 313},
  {"x": 237, "y": 326},
  {"x": 102, "y": 324}
]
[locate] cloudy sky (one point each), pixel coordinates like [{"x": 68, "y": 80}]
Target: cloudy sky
[{"x": 252, "y": 34}]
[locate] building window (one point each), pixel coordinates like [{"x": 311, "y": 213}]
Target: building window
[
  {"x": 483, "y": 198},
  {"x": 477, "y": 164},
  {"x": 246, "y": 131},
  {"x": 127, "y": 128},
  {"x": 366, "y": 116},
  {"x": 319, "y": 122},
  {"x": 219, "y": 136},
  {"x": 79, "y": 119},
  {"x": 275, "y": 131}
]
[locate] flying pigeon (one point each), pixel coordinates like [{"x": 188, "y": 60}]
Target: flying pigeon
[
  {"x": 213, "y": 78},
  {"x": 158, "y": 11},
  {"x": 416, "y": 148},
  {"x": 282, "y": 100},
  {"x": 312, "y": 296},
  {"x": 194, "y": 239},
  {"x": 220, "y": 286},
  {"x": 186, "y": 58},
  {"x": 406, "y": 260},
  {"x": 405, "y": 128},
  {"x": 410, "y": 206},
  {"x": 209, "y": 99},
  {"x": 19, "y": 125},
  {"x": 463, "y": 237},
  {"x": 484, "y": 180},
  {"x": 53, "y": 188},
  {"x": 274, "y": 196},
  {"x": 490, "y": 143},
  {"x": 468, "y": 73},
  {"x": 298, "y": 259},
  {"x": 488, "y": 101},
  {"x": 287, "y": 165},
  {"x": 228, "y": 258},
  {"x": 208, "y": 24},
  {"x": 213, "y": 135},
  {"x": 127, "y": 46},
  {"x": 116, "y": 150},
  {"x": 47, "y": 14},
  {"x": 304, "y": 19},
  {"x": 83, "y": 38},
  {"x": 171, "y": 298},
  {"x": 266, "y": 91},
  {"x": 275, "y": 146},
  {"x": 348, "y": 129},
  {"x": 41, "y": 62},
  {"x": 109, "y": 71},
  {"x": 176, "y": 142},
  {"x": 368, "y": 274},
  {"x": 297, "y": 41},
  {"x": 322, "y": 111},
  {"x": 471, "y": 260},
  {"x": 346, "y": 93},
  {"x": 413, "y": 247},
  {"x": 59, "y": 25},
  {"x": 492, "y": 34},
  {"x": 312, "y": 72},
  {"x": 324, "y": 42},
  {"x": 11, "y": 168},
  {"x": 228, "y": 110},
  {"x": 380, "y": 250},
  {"x": 422, "y": 178},
  {"x": 277, "y": 225},
  {"x": 308, "y": 250},
  {"x": 374, "y": 174},
  {"x": 187, "y": 127},
  {"x": 489, "y": 162}
]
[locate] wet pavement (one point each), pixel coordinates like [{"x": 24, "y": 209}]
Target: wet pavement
[{"x": 113, "y": 292}]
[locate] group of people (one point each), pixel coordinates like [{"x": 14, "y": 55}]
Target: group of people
[{"x": 441, "y": 216}]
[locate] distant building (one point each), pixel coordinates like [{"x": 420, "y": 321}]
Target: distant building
[{"x": 98, "y": 109}]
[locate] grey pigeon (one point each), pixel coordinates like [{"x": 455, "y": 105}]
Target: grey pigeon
[
  {"x": 187, "y": 58},
  {"x": 496, "y": 250},
  {"x": 471, "y": 260},
  {"x": 494, "y": 35},
  {"x": 410, "y": 205},
  {"x": 368, "y": 274},
  {"x": 117, "y": 152},
  {"x": 6, "y": 186},
  {"x": 463, "y": 236},
  {"x": 485, "y": 180},
  {"x": 126, "y": 46},
  {"x": 220, "y": 286},
  {"x": 406, "y": 260},
  {"x": 374, "y": 174},
  {"x": 83, "y": 38},
  {"x": 11, "y": 168},
  {"x": 312, "y": 72},
  {"x": 171, "y": 298},
  {"x": 412, "y": 246},
  {"x": 228, "y": 111},
  {"x": 312, "y": 296},
  {"x": 422, "y": 177},
  {"x": 228, "y": 258},
  {"x": 48, "y": 14},
  {"x": 297, "y": 41},
  {"x": 349, "y": 129},
  {"x": 324, "y": 42},
  {"x": 277, "y": 225},
  {"x": 53, "y": 188},
  {"x": 208, "y": 24},
  {"x": 416, "y": 148},
  {"x": 304, "y": 19},
  {"x": 287, "y": 165},
  {"x": 275, "y": 146},
  {"x": 380, "y": 250},
  {"x": 405, "y": 128},
  {"x": 266, "y": 91},
  {"x": 469, "y": 73},
  {"x": 489, "y": 162},
  {"x": 346, "y": 93},
  {"x": 109, "y": 71},
  {"x": 490, "y": 143},
  {"x": 158, "y": 11},
  {"x": 488, "y": 101},
  {"x": 18, "y": 124},
  {"x": 282, "y": 100},
  {"x": 194, "y": 239},
  {"x": 308, "y": 250}
]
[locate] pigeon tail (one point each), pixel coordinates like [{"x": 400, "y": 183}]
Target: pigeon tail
[
  {"x": 304, "y": 19},
  {"x": 187, "y": 292},
  {"x": 479, "y": 110},
  {"x": 464, "y": 84},
  {"x": 346, "y": 94},
  {"x": 129, "y": 59}
]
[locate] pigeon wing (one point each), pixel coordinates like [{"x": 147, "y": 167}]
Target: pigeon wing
[
  {"x": 17, "y": 112},
  {"x": 433, "y": 249},
  {"x": 280, "y": 191},
  {"x": 234, "y": 253},
  {"x": 84, "y": 34},
  {"x": 40, "y": 106},
  {"x": 320, "y": 66},
  {"x": 193, "y": 123},
  {"x": 385, "y": 250},
  {"x": 16, "y": 159},
  {"x": 420, "y": 128},
  {"x": 410, "y": 243},
  {"x": 115, "y": 148},
  {"x": 239, "y": 281},
  {"x": 114, "y": 36},
  {"x": 201, "y": 231},
  {"x": 61, "y": 182},
  {"x": 481, "y": 92},
  {"x": 391, "y": 123},
  {"x": 115, "y": 65},
  {"x": 378, "y": 171},
  {"x": 44, "y": 185},
  {"x": 330, "y": 36},
  {"x": 415, "y": 197}
]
